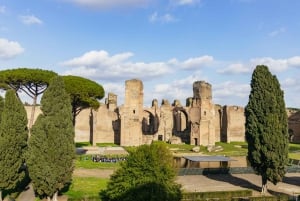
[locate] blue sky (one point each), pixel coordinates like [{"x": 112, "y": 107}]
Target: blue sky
[{"x": 167, "y": 44}]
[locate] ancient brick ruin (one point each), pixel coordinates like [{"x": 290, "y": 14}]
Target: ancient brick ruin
[{"x": 198, "y": 122}]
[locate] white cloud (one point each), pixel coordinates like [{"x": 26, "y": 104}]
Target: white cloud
[
  {"x": 235, "y": 68},
  {"x": 176, "y": 90},
  {"x": 194, "y": 63},
  {"x": 2, "y": 9},
  {"x": 230, "y": 93},
  {"x": 184, "y": 2},
  {"x": 99, "y": 64},
  {"x": 30, "y": 19},
  {"x": 104, "y": 4},
  {"x": 9, "y": 49},
  {"x": 277, "y": 32},
  {"x": 294, "y": 61},
  {"x": 276, "y": 65},
  {"x": 290, "y": 82},
  {"x": 166, "y": 18}
]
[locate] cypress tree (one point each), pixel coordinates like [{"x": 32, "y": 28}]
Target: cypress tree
[
  {"x": 13, "y": 142},
  {"x": 266, "y": 127},
  {"x": 1, "y": 106},
  {"x": 51, "y": 146}
]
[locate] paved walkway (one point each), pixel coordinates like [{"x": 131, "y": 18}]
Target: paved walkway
[
  {"x": 27, "y": 195},
  {"x": 202, "y": 183}
]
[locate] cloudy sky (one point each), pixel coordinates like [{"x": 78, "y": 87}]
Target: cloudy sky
[{"x": 168, "y": 44}]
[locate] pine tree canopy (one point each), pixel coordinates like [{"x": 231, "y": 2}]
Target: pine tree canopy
[
  {"x": 13, "y": 141},
  {"x": 51, "y": 146},
  {"x": 266, "y": 126},
  {"x": 84, "y": 93}
]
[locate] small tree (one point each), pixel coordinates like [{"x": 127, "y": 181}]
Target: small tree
[
  {"x": 13, "y": 141},
  {"x": 266, "y": 127},
  {"x": 51, "y": 146},
  {"x": 84, "y": 93},
  {"x": 146, "y": 175},
  {"x": 32, "y": 82}
]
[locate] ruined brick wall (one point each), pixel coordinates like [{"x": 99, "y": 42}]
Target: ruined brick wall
[
  {"x": 218, "y": 122},
  {"x": 202, "y": 100},
  {"x": 234, "y": 123},
  {"x": 132, "y": 114},
  {"x": 294, "y": 125},
  {"x": 207, "y": 123}
]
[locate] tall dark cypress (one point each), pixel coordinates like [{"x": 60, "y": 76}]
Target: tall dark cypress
[
  {"x": 267, "y": 127},
  {"x": 1, "y": 106},
  {"x": 51, "y": 145},
  {"x": 13, "y": 142}
]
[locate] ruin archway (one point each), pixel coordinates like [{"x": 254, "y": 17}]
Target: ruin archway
[
  {"x": 181, "y": 124},
  {"x": 150, "y": 123}
]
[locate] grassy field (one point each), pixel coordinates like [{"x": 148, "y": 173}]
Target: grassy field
[
  {"x": 294, "y": 151},
  {"x": 85, "y": 187},
  {"x": 90, "y": 187},
  {"x": 85, "y": 161}
]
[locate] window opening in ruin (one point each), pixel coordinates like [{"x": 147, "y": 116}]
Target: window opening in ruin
[
  {"x": 133, "y": 111},
  {"x": 204, "y": 113},
  {"x": 160, "y": 137},
  {"x": 196, "y": 141},
  {"x": 150, "y": 123}
]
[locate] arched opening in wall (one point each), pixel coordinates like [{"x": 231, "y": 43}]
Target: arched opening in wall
[
  {"x": 291, "y": 135},
  {"x": 150, "y": 123},
  {"x": 181, "y": 125}
]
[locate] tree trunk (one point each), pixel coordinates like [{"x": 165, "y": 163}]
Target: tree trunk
[
  {"x": 32, "y": 114},
  {"x": 264, "y": 184},
  {"x": 54, "y": 198},
  {"x": 48, "y": 198},
  {"x": 0, "y": 195}
]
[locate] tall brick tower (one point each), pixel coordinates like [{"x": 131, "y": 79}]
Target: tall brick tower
[
  {"x": 132, "y": 114},
  {"x": 202, "y": 115}
]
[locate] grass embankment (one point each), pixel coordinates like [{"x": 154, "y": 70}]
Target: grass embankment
[
  {"x": 90, "y": 187},
  {"x": 221, "y": 148},
  {"x": 86, "y": 187},
  {"x": 86, "y": 162},
  {"x": 294, "y": 151}
]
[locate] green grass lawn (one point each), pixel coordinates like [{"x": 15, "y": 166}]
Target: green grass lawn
[
  {"x": 294, "y": 151},
  {"x": 229, "y": 149},
  {"x": 84, "y": 187},
  {"x": 85, "y": 161}
]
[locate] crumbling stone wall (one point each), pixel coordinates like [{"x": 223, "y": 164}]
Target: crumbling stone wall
[
  {"x": 294, "y": 125},
  {"x": 131, "y": 114},
  {"x": 199, "y": 122},
  {"x": 234, "y": 126}
]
